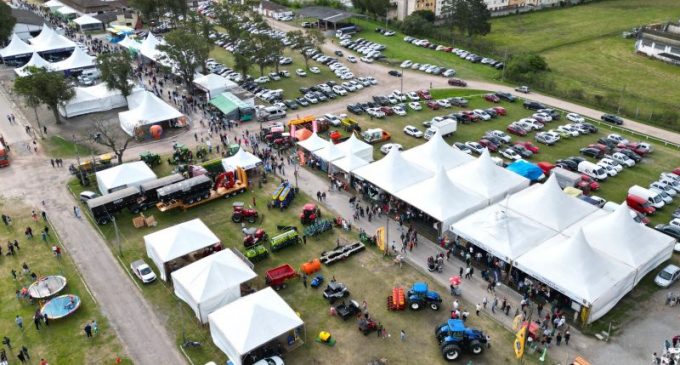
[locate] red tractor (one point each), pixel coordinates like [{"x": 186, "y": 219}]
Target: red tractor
[
  {"x": 310, "y": 212},
  {"x": 241, "y": 213},
  {"x": 254, "y": 236}
]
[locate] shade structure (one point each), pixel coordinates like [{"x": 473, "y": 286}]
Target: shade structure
[
  {"x": 86, "y": 20},
  {"x": 149, "y": 47},
  {"x": 124, "y": 176},
  {"x": 145, "y": 109},
  {"x": 16, "y": 47},
  {"x": 45, "y": 33},
  {"x": 620, "y": 237},
  {"x": 393, "y": 172},
  {"x": 487, "y": 179},
  {"x": 548, "y": 204},
  {"x": 211, "y": 282},
  {"x": 176, "y": 241},
  {"x": 574, "y": 268},
  {"x": 93, "y": 99},
  {"x": 357, "y": 147},
  {"x": 213, "y": 84},
  {"x": 526, "y": 169},
  {"x": 242, "y": 159},
  {"x": 66, "y": 10},
  {"x": 436, "y": 153},
  {"x": 313, "y": 143},
  {"x": 329, "y": 153},
  {"x": 48, "y": 40},
  {"x": 78, "y": 60},
  {"x": 250, "y": 322},
  {"x": 349, "y": 163},
  {"x": 441, "y": 199},
  {"x": 35, "y": 61},
  {"x": 129, "y": 43}
]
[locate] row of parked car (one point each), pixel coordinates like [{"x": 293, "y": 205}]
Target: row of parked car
[
  {"x": 370, "y": 50},
  {"x": 466, "y": 55}
]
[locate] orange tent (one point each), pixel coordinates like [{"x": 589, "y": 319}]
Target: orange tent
[{"x": 302, "y": 134}]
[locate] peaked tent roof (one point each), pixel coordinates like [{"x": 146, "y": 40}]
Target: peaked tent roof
[
  {"x": 45, "y": 33},
  {"x": 357, "y": 147},
  {"x": 548, "y": 204},
  {"x": 35, "y": 61},
  {"x": 128, "y": 43},
  {"x": 127, "y": 174},
  {"x": 242, "y": 159},
  {"x": 51, "y": 41},
  {"x": 436, "y": 153},
  {"x": 78, "y": 59},
  {"x": 214, "y": 84},
  {"x": 16, "y": 47},
  {"x": 393, "y": 172},
  {"x": 487, "y": 179},
  {"x": 149, "y": 47},
  {"x": 350, "y": 162},
  {"x": 329, "y": 153},
  {"x": 86, "y": 19},
  {"x": 250, "y": 322},
  {"x": 145, "y": 108},
  {"x": 313, "y": 143}
]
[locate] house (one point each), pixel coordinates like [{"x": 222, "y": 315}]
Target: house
[
  {"x": 406, "y": 7},
  {"x": 660, "y": 41},
  {"x": 269, "y": 8},
  {"x": 28, "y": 24}
]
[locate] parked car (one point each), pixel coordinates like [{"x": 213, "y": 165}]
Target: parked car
[
  {"x": 506, "y": 96},
  {"x": 413, "y": 131},
  {"x": 622, "y": 159},
  {"x": 576, "y": 118},
  {"x": 671, "y": 230},
  {"x": 394, "y": 73},
  {"x": 352, "y": 59},
  {"x": 433, "y": 105},
  {"x": 533, "y": 105},
  {"x": 458, "y": 101},
  {"x": 300, "y": 72},
  {"x": 142, "y": 271},
  {"x": 462, "y": 147},
  {"x": 611, "y": 118},
  {"x": 457, "y": 82},
  {"x": 500, "y": 135},
  {"x": 630, "y": 154},
  {"x": 523, "y": 89},
  {"x": 492, "y": 98},
  {"x": 516, "y": 129},
  {"x": 568, "y": 130},
  {"x": 522, "y": 151},
  {"x": 667, "y": 276},
  {"x": 530, "y": 146},
  {"x": 511, "y": 154},
  {"x": 492, "y": 147},
  {"x": 545, "y": 138},
  {"x": 414, "y": 105},
  {"x": 385, "y": 149},
  {"x": 475, "y": 147},
  {"x": 592, "y": 152}
]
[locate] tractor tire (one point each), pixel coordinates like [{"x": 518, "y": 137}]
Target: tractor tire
[
  {"x": 345, "y": 294},
  {"x": 135, "y": 210},
  {"x": 451, "y": 352},
  {"x": 476, "y": 347},
  {"x": 434, "y": 306},
  {"x": 206, "y": 195},
  {"x": 251, "y": 219},
  {"x": 236, "y": 219},
  {"x": 190, "y": 201},
  {"x": 414, "y": 306},
  {"x": 145, "y": 207}
]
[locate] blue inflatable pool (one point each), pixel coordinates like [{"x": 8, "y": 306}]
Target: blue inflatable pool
[{"x": 61, "y": 306}]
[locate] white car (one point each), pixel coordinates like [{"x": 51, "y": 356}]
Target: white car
[
  {"x": 300, "y": 72},
  {"x": 531, "y": 124},
  {"x": 413, "y": 131},
  {"x": 372, "y": 80},
  {"x": 314, "y": 70},
  {"x": 285, "y": 61},
  {"x": 375, "y": 113},
  {"x": 545, "y": 138},
  {"x": 356, "y": 84},
  {"x": 444, "y": 103},
  {"x": 667, "y": 276},
  {"x": 675, "y": 222},
  {"x": 346, "y": 76},
  {"x": 481, "y": 114},
  {"x": 399, "y": 95},
  {"x": 352, "y": 59},
  {"x": 413, "y": 96},
  {"x": 545, "y": 117},
  {"x": 338, "y": 89},
  {"x": 261, "y": 80},
  {"x": 667, "y": 199},
  {"x": 613, "y": 164},
  {"x": 475, "y": 147},
  {"x": 623, "y": 159},
  {"x": 392, "y": 99},
  {"x": 568, "y": 130},
  {"x": 611, "y": 172},
  {"x": 349, "y": 87},
  {"x": 398, "y": 110},
  {"x": 510, "y": 154},
  {"x": 617, "y": 138},
  {"x": 554, "y": 134},
  {"x": 414, "y": 105},
  {"x": 87, "y": 195},
  {"x": 366, "y": 59},
  {"x": 449, "y": 73},
  {"x": 665, "y": 187},
  {"x": 406, "y": 64},
  {"x": 142, "y": 271},
  {"x": 576, "y": 118},
  {"x": 388, "y": 146},
  {"x": 500, "y": 135}
]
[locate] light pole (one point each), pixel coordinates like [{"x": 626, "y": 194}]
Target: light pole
[{"x": 401, "y": 90}]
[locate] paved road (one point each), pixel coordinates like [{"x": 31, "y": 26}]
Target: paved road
[{"x": 31, "y": 178}]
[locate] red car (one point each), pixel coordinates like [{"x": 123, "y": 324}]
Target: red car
[
  {"x": 457, "y": 82},
  {"x": 470, "y": 115},
  {"x": 500, "y": 110},
  {"x": 387, "y": 110},
  {"x": 488, "y": 144},
  {"x": 676, "y": 171},
  {"x": 544, "y": 165},
  {"x": 424, "y": 94},
  {"x": 446, "y": 49},
  {"x": 633, "y": 147},
  {"x": 516, "y": 130},
  {"x": 587, "y": 180},
  {"x": 530, "y": 146},
  {"x": 599, "y": 146},
  {"x": 492, "y": 98},
  {"x": 433, "y": 105}
]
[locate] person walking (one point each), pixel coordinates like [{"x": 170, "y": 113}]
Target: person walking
[
  {"x": 567, "y": 336},
  {"x": 36, "y": 320},
  {"x": 14, "y": 274},
  {"x": 21, "y": 357},
  {"x": 484, "y": 302},
  {"x": 468, "y": 271},
  {"x": 304, "y": 280},
  {"x": 76, "y": 212},
  {"x": 20, "y": 322},
  {"x": 95, "y": 327},
  {"x": 478, "y": 307},
  {"x": 494, "y": 304},
  {"x": 24, "y": 351},
  {"x": 558, "y": 339},
  {"x": 402, "y": 335},
  {"x": 6, "y": 341},
  {"x": 88, "y": 330}
]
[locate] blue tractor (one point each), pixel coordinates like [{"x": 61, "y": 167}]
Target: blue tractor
[
  {"x": 454, "y": 337},
  {"x": 419, "y": 296}
]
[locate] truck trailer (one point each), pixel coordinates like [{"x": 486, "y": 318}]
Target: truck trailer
[
  {"x": 201, "y": 189},
  {"x": 104, "y": 207}
]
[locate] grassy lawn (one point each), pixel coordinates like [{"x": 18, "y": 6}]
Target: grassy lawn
[
  {"x": 64, "y": 341},
  {"x": 59, "y": 147}
]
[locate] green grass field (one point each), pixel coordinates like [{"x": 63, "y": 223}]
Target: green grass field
[
  {"x": 57, "y": 146},
  {"x": 64, "y": 341}
]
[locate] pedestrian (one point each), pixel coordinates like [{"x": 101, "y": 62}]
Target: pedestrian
[
  {"x": 34, "y": 215},
  {"x": 484, "y": 301},
  {"x": 304, "y": 280},
  {"x": 88, "y": 329},
  {"x": 36, "y": 320},
  {"x": 21, "y": 357},
  {"x": 44, "y": 215},
  {"x": 468, "y": 272},
  {"x": 52, "y": 162},
  {"x": 460, "y": 272},
  {"x": 25, "y": 268},
  {"x": 43, "y": 235},
  {"x": 24, "y": 351},
  {"x": 14, "y": 274},
  {"x": 504, "y": 304},
  {"x": 402, "y": 335},
  {"x": 46, "y": 319},
  {"x": 6, "y": 341},
  {"x": 20, "y": 322},
  {"x": 656, "y": 359},
  {"x": 76, "y": 211},
  {"x": 478, "y": 307},
  {"x": 567, "y": 336},
  {"x": 43, "y": 362},
  {"x": 455, "y": 304},
  {"x": 95, "y": 327},
  {"x": 494, "y": 304},
  {"x": 558, "y": 338},
  {"x": 304, "y": 239}
]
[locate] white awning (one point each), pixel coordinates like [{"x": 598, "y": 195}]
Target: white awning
[
  {"x": 357, "y": 147},
  {"x": 313, "y": 143},
  {"x": 393, "y": 172},
  {"x": 436, "y": 153},
  {"x": 124, "y": 176},
  {"x": 78, "y": 60},
  {"x": 35, "y": 61}
]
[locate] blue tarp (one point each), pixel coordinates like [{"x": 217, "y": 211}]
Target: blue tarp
[{"x": 526, "y": 169}]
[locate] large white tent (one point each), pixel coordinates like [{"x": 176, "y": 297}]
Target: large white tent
[
  {"x": 129, "y": 43},
  {"x": 35, "y": 61},
  {"x": 181, "y": 239},
  {"x": 436, "y": 153},
  {"x": 145, "y": 108},
  {"x": 242, "y": 159},
  {"x": 357, "y": 147},
  {"x": 487, "y": 179},
  {"x": 313, "y": 143},
  {"x": 329, "y": 153},
  {"x": 53, "y": 4},
  {"x": 124, "y": 176},
  {"x": 149, "y": 47},
  {"x": 66, "y": 10},
  {"x": 574, "y": 268},
  {"x": 93, "y": 99},
  {"x": 16, "y": 47},
  {"x": 619, "y": 236},
  {"x": 393, "y": 172},
  {"x": 77, "y": 61},
  {"x": 349, "y": 163},
  {"x": 441, "y": 199},
  {"x": 48, "y": 40},
  {"x": 250, "y": 322},
  {"x": 86, "y": 22},
  {"x": 213, "y": 84},
  {"x": 211, "y": 282}
]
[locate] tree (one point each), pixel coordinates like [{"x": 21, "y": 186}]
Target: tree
[
  {"x": 525, "y": 67},
  {"x": 148, "y": 8},
  {"x": 7, "y": 21},
  {"x": 415, "y": 24},
  {"x": 116, "y": 69},
  {"x": 478, "y": 18},
  {"x": 41, "y": 86},
  {"x": 309, "y": 39},
  {"x": 425, "y": 14},
  {"x": 375, "y": 7},
  {"x": 188, "y": 50},
  {"x": 241, "y": 63},
  {"x": 226, "y": 12},
  {"x": 113, "y": 138}
]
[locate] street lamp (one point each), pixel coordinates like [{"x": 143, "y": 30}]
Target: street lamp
[{"x": 401, "y": 90}]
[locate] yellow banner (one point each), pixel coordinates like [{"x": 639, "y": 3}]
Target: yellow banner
[
  {"x": 520, "y": 339},
  {"x": 380, "y": 238},
  {"x": 516, "y": 322}
]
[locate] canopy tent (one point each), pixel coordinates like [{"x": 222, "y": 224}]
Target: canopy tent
[
  {"x": 211, "y": 282},
  {"x": 149, "y": 47},
  {"x": 329, "y": 153},
  {"x": 93, "y": 99},
  {"x": 45, "y": 33},
  {"x": 487, "y": 179},
  {"x": 302, "y": 134},
  {"x": 233, "y": 107},
  {"x": 176, "y": 241},
  {"x": 16, "y": 48},
  {"x": 213, "y": 84},
  {"x": 350, "y": 162},
  {"x": 86, "y": 22},
  {"x": 313, "y": 143},
  {"x": 145, "y": 109},
  {"x": 129, "y": 43},
  {"x": 527, "y": 170},
  {"x": 250, "y": 322},
  {"x": 436, "y": 153},
  {"x": 441, "y": 199},
  {"x": 35, "y": 61},
  {"x": 574, "y": 268},
  {"x": 53, "y": 4},
  {"x": 548, "y": 204},
  {"x": 393, "y": 172},
  {"x": 242, "y": 159},
  {"x": 357, "y": 147},
  {"x": 48, "y": 40},
  {"x": 124, "y": 176},
  {"x": 65, "y": 10},
  {"x": 620, "y": 237},
  {"x": 78, "y": 60}
]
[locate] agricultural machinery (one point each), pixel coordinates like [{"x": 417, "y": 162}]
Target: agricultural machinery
[
  {"x": 241, "y": 213},
  {"x": 318, "y": 227},
  {"x": 310, "y": 212},
  {"x": 181, "y": 155},
  {"x": 341, "y": 252},
  {"x": 454, "y": 337},
  {"x": 257, "y": 253},
  {"x": 317, "y": 281},
  {"x": 419, "y": 296},
  {"x": 346, "y": 310},
  {"x": 277, "y": 277},
  {"x": 284, "y": 240},
  {"x": 283, "y": 195},
  {"x": 150, "y": 158},
  {"x": 254, "y": 236},
  {"x": 367, "y": 325},
  {"x": 335, "y": 290}
]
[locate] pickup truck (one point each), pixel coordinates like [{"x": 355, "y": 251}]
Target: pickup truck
[{"x": 143, "y": 271}]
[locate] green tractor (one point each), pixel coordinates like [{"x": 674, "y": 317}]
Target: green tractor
[
  {"x": 150, "y": 158},
  {"x": 181, "y": 155},
  {"x": 202, "y": 153}
]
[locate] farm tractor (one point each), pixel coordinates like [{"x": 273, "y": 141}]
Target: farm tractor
[
  {"x": 241, "y": 213},
  {"x": 419, "y": 296},
  {"x": 454, "y": 337},
  {"x": 150, "y": 158},
  {"x": 254, "y": 236},
  {"x": 181, "y": 155},
  {"x": 310, "y": 212},
  {"x": 367, "y": 325}
]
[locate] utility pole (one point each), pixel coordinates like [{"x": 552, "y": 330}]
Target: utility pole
[
  {"x": 505, "y": 64},
  {"x": 115, "y": 227},
  {"x": 401, "y": 89},
  {"x": 80, "y": 171}
]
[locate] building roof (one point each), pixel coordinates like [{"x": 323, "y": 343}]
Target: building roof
[
  {"x": 107, "y": 17},
  {"x": 325, "y": 13},
  {"x": 27, "y": 17},
  {"x": 270, "y": 5}
]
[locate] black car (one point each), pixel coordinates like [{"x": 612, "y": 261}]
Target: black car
[
  {"x": 302, "y": 101},
  {"x": 394, "y": 73},
  {"x": 381, "y": 100},
  {"x": 304, "y": 90},
  {"x": 499, "y": 66},
  {"x": 506, "y": 96},
  {"x": 355, "y": 109},
  {"x": 291, "y": 104},
  {"x": 592, "y": 152},
  {"x": 533, "y": 105},
  {"x": 671, "y": 230},
  {"x": 607, "y": 142},
  {"x": 611, "y": 118},
  {"x": 522, "y": 151},
  {"x": 632, "y": 155},
  {"x": 338, "y": 53},
  {"x": 567, "y": 164},
  {"x": 492, "y": 112},
  {"x": 591, "y": 128},
  {"x": 576, "y": 159},
  {"x": 495, "y": 140}
]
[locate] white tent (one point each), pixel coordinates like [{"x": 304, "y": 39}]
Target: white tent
[
  {"x": 350, "y": 162},
  {"x": 66, "y": 10},
  {"x": 357, "y": 147},
  {"x": 124, "y": 176},
  {"x": 313, "y": 143},
  {"x": 53, "y": 4},
  {"x": 86, "y": 22},
  {"x": 93, "y": 99},
  {"x": 634, "y": 244},
  {"x": 250, "y": 322},
  {"x": 211, "y": 282},
  {"x": 502, "y": 232},
  {"x": 48, "y": 40},
  {"x": 548, "y": 204},
  {"x": 214, "y": 85},
  {"x": 35, "y": 61},
  {"x": 436, "y": 153},
  {"x": 149, "y": 47},
  {"x": 145, "y": 108},
  {"x": 16, "y": 47},
  {"x": 329, "y": 153},
  {"x": 170, "y": 243},
  {"x": 129, "y": 43},
  {"x": 393, "y": 172},
  {"x": 45, "y": 33},
  {"x": 441, "y": 199},
  {"x": 574, "y": 268},
  {"x": 242, "y": 159},
  {"x": 78, "y": 60},
  {"x": 487, "y": 179}
]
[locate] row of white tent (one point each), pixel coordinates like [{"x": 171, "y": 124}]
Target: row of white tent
[
  {"x": 145, "y": 108},
  {"x": 345, "y": 156},
  {"x": 79, "y": 60},
  {"x": 592, "y": 256},
  {"x": 211, "y": 287},
  {"x": 47, "y": 41}
]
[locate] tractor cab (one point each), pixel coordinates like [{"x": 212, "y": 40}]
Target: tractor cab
[
  {"x": 241, "y": 213},
  {"x": 150, "y": 158},
  {"x": 454, "y": 337},
  {"x": 310, "y": 212},
  {"x": 419, "y": 296}
]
